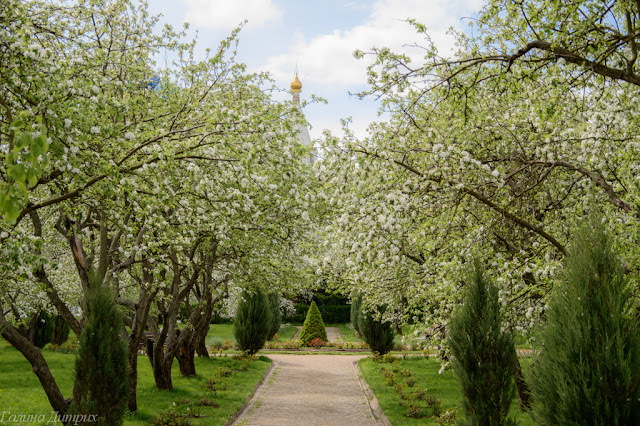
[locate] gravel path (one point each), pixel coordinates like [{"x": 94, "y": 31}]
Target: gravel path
[
  {"x": 310, "y": 390},
  {"x": 333, "y": 334}
]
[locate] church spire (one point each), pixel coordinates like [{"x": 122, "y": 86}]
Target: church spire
[
  {"x": 303, "y": 132},
  {"x": 296, "y": 88}
]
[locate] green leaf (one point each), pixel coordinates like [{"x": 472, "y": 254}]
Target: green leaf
[
  {"x": 17, "y": 172},
  {"x": 22, "y": 141},
  {"x": 32, "y": 177},
  {"x": 16, "y": 124}
]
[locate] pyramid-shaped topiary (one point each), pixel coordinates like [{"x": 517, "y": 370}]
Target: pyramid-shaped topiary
[{"x": 313, "y": 326}]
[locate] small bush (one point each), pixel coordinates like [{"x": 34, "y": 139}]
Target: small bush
[
  {"x": 207, "y": 402},
  {"x": 170, "y": 418},
  {"x": 313, "y": 326},
  {"x": 292, "y": 344},
  {"x": 317, "y": 343},
  {"x": 449, "y": 417},
  {"x": 179, "y": 414},
  {"x": 60, "y": 331},
  {"x": 388, "y": 358},
  {"x": 215, "y": 384},
  {"x": 378, "y": 334},
  {"x": 216, "y": 343},
  {"x": 43, "y": 329}
]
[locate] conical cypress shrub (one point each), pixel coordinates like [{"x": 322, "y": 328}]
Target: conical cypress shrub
[
  {"x": 43, "y": 329},
  {"x": 60, "y": 331},
  {"x": 588, "y": 371},
  {"x": 483, "y": 354},
  {"x": 376, "y": 333},
  {"x": 252, "y": 322},
  {"x": 313, "y": 326},
  {"x": 100, "y": 386},
  {"x": 276, "y": 316}
]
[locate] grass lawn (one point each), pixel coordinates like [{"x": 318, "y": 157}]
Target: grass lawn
[
  {"x": 425, "y": 371},
  {"x": 221, "y": 331},
  {"x": 286, "y": 332},
  {"x": 21, "y": 392},
  {"x": 225, "y": 331}
]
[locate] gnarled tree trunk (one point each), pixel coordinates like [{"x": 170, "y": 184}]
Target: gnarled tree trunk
[{"x": 186, "y": 356}]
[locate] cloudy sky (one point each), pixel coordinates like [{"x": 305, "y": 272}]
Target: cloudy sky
[{"x": 320, "y": 38}]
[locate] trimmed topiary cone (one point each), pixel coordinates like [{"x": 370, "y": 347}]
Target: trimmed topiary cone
[{"x": 313, "y": 326}]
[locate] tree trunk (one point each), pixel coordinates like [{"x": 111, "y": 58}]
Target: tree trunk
[
  {"x": 200, "y": 334},
  {"x": 162, "y": 373},
  {"x": 132, "y": 372},
  {"x": 186, "y": 359},
  {"x": 524, "y": 394},
  {"x": 201, "y": 348},
  {"x": 141, "y": 313},
  {"x": 38, "y": 365},
  {"x": 149, "y": 344}
]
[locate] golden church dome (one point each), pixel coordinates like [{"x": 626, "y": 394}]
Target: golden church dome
[{"x": 296, "y": 86}]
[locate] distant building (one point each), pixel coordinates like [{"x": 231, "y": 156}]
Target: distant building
[{"x": 303, "y": 131}]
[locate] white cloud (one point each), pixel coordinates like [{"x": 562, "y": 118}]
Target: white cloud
[
  {"x": 227, "y": 14},
  {"x": 328, "y": 58}
]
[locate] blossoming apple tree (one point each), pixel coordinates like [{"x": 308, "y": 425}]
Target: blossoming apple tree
[
  {"x": 494, "y": 153},
  {"x": 163, "y": 185}
]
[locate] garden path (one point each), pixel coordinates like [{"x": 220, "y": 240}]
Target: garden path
[
  {"x": 310, "y": 390},
  {"x": 333, "y": 334}
]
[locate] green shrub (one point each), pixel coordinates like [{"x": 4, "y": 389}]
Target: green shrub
[
  {"x": 216, "y": 343},
  {"x": 252, "y": 322},
  {"x": 43, "y": 329},
  {"x": 100, "y": 386},
  {"x": 317, "y": 343},
  {"x": 377, "y": 333},
  {"x": 588, "y": 371},
  {"x": 313, "y": 326},
  {"x": 388, "y": 358},
  {"x": 276, "y": 316},
  {"x": 483, "y": 354},
  {"x": 60, "y": 331},
  {"x": 180, "y": 413}
]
